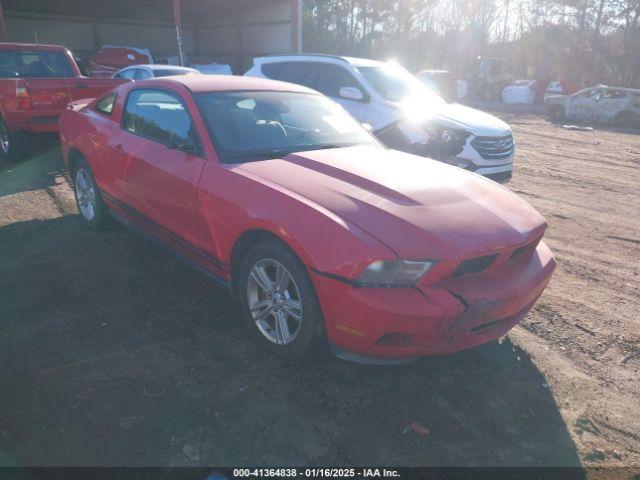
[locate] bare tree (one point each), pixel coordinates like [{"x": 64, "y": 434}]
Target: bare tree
[{"x": 587, "y": 41}]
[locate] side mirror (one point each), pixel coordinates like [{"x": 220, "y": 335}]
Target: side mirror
[
  {"x": 186, "y": 146},
  {"x": 351, "y": 93}
]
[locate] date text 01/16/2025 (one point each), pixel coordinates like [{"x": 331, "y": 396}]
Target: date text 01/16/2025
[{"x": 315, "y": 473}]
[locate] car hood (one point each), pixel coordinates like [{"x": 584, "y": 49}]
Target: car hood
[
  {"x": 455, "y": 115},
  {"x": 417, "y": 207}
]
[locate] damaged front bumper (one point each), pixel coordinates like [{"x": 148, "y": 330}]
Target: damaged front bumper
[
  {"x": 491, "y": 157},
  {"x": 377, "y": 325}
]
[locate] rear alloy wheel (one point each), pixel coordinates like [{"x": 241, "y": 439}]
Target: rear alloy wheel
[
  {"x": 92, "y": 209},
  {"x": 278, "y": 301}
]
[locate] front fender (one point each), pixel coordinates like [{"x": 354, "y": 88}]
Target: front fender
[{"x": 233, "y": 203}]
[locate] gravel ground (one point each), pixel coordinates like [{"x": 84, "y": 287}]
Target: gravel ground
[{"x": 114, "y": 353}]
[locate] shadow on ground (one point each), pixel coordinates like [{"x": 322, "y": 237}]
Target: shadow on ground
[
  {"x": 34, "y": 173},
  {"x": 114, "y": 353}
]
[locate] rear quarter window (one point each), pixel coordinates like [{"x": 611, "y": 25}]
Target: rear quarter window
[
  {"x": 105, "y": 104},
  {"x": 301, "y": 73},
  {"x": 271, "y": 70}
]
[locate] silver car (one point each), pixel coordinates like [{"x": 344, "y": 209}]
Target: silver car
[
  {"x": 599, "y": 104},
  {"x": 403, "y": 113},
  {"x": 143, "y": 72}
]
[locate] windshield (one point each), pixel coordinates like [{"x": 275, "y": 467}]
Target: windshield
[
  {"x": 35, "y": 64},
  {"x": 248, "y": 126},
  {"x": 395, "y": 84}
]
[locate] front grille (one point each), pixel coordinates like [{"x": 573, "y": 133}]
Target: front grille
[
  {"x": 494, "y": 148},
  {"x": 475, "y": 265}
]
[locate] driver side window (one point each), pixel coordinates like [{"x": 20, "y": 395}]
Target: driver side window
[
  {"x": 333, "y": 77},
  {"x": 159, "y": 116},
  {"x": 128, "y": 74},
  {"x": 141, "y": 74},
  {"x": 585, "y": 94}
]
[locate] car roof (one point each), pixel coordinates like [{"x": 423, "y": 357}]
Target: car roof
[
  {"x": 355, "y": 61},
  {"x": 363, "y": 62},
  {"x": 30, "y": 46},
  {"x": 635, "y": 91},
  {"x": 229, "y": 83},
  {"x": 159, "y": 66}
]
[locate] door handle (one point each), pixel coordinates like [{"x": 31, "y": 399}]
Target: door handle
[{"x": 82, "y": 85}]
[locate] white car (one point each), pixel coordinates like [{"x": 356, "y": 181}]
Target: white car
[
  {"x": 599, "y": 104},
  {"x": 521, "y": 91},
  {"x": 142, "y": 72},
  {"x": 402, "y": 112},
  {"x": 203, "y": 65}
]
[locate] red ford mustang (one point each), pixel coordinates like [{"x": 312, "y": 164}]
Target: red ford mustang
[{"x": 321, "y": 233}]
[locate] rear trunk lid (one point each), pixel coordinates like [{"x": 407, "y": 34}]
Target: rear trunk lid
[{"x": 46, "y": 93}]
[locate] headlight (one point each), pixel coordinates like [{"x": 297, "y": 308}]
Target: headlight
[
  {"x": 446, "y": 135},
  {"x": 394, "y": 273}
]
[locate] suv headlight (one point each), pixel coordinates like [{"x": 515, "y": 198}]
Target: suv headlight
[{"x": 394, "y": 273}]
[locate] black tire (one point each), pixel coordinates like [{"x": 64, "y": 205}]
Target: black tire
[
  {"x": 101, "y": 217},
  {"x": 556, "y": 113},
  {"x": 310, "y": 336},
  {"x": 627, "y": 119},
  {"x": 12, "y": 144}
]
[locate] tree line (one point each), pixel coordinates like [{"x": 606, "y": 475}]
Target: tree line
[{"x": 582, "y": 41}]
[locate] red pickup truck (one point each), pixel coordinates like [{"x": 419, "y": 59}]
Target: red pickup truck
[{"x": 36, "y": 83}]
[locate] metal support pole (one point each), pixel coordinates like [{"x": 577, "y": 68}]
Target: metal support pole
[
  {"x": 4, "y": 36},
  {"x": 177, "y": 20}
]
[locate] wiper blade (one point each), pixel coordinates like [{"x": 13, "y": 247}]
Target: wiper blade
[{"x": 327, "y": 146}]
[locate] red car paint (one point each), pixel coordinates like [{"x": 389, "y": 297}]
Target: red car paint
[
  {"x": 33, "y": 104},
  {"x": 338, "y": 210},
  {"x": 110, "y": 59}
]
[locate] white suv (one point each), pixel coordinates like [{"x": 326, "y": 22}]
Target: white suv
[{"x": 403, "y": 113}]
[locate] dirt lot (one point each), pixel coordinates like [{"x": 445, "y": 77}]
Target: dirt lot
[{"x": 114, "y": 353}]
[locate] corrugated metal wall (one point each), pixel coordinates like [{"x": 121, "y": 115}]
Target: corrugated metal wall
[
  {"x": 74, "y": 33},
  {"x": 258, "y": 31},
  {"x": 234, "y": 39}
]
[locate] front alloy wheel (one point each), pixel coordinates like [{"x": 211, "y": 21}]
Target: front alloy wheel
[
  {"x": 278, "y": 300},
  {"x": 274, "y": 301}
]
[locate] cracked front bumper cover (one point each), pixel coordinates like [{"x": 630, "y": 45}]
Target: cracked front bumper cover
[{"x": 456, "y": 314}]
